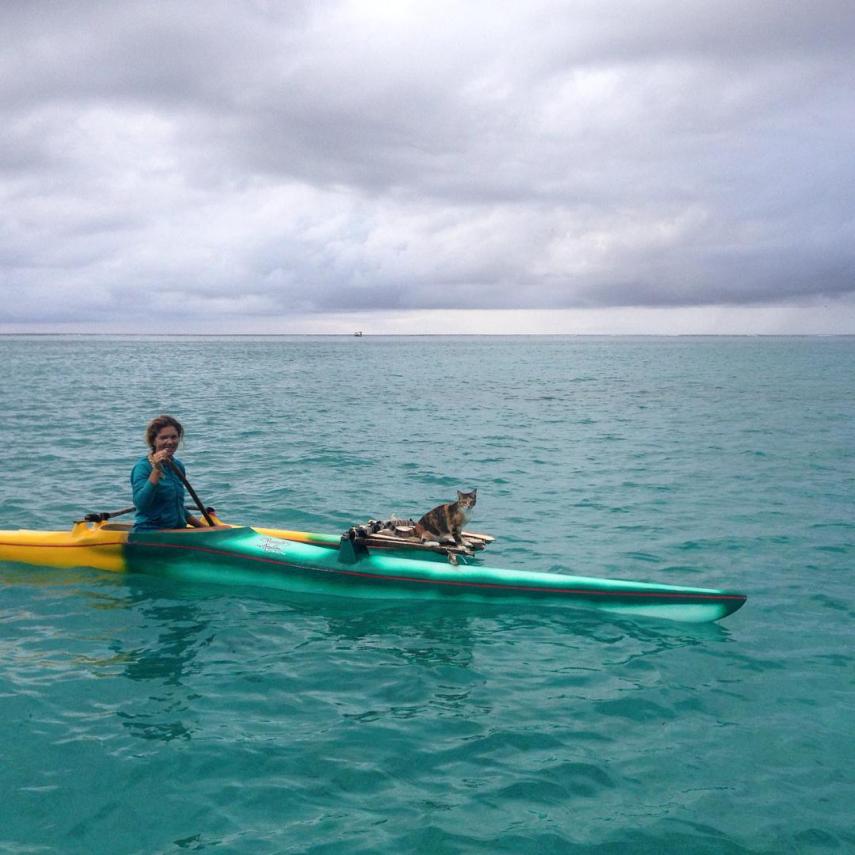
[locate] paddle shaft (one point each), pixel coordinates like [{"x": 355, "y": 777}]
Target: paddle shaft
[{"x": 191, "y": 491}]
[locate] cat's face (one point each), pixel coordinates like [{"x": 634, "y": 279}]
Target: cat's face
[{"x": 467, "y": 500}]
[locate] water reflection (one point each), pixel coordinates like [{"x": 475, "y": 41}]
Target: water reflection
[
  {"x": 182, "y": 632},
  {"x": 427, "y": 659},
  {"x": 428, "y": 633},
  {"x": 159, "y": 646}
]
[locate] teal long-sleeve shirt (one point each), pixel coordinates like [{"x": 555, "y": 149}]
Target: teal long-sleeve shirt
[{"x": 158, "y": 505}]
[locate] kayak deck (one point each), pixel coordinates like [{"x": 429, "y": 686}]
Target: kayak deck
[{"x": 323, "y": 564}]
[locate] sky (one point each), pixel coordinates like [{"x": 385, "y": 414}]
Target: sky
[{"x": 578, "y": 167}]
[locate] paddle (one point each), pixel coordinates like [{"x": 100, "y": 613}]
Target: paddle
[{"x": 191, "y": 491}]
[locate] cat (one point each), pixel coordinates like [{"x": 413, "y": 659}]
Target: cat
[{"x": 446, "y": 521}]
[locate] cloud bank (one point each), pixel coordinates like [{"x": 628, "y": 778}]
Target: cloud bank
[{"x": 243, "y": 165}]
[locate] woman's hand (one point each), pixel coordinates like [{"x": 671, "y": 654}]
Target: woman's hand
[{"x": 158, "y": 458}]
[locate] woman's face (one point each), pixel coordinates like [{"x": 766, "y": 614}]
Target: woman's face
[{"x": 166, "y": 439}]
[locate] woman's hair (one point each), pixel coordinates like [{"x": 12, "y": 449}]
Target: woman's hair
[{"x": 156, "y": 425}]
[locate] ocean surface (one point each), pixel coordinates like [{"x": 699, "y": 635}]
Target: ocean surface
[{"x": 140, "y": 716}]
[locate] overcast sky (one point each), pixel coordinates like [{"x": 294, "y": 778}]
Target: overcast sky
[{"x": 602, "y": 166}]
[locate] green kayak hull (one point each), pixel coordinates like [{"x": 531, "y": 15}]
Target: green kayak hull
[{"x": 244, "y": 556}]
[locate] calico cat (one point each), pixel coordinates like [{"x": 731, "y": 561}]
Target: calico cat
[{"x": 445, "y": 521}]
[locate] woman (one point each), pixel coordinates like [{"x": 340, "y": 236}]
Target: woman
[{"x": 158, "y": 491}]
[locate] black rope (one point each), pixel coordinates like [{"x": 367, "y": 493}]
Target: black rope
[{"x": 104, "y": 516}]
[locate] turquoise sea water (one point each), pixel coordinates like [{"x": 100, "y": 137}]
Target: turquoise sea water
[{"x": 144, "y": 716}]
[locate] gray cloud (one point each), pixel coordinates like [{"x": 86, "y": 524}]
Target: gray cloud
[{"x": 256, "y": 158}]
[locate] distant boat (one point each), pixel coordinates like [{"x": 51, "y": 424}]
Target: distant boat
[{"x": 358, "y": 333}]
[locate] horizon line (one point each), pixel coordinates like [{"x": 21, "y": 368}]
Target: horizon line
[{"x": 427, "y": 335}]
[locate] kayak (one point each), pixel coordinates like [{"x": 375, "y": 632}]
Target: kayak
[{"x": 325, "y": 564}]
